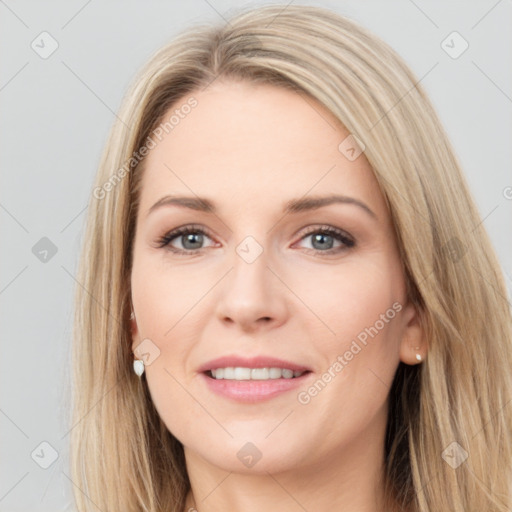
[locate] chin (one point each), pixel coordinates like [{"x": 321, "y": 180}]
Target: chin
[{"x": 252, "y": 454}]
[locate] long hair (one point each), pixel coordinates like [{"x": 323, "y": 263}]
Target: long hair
[{"x": 448, "y": 444}]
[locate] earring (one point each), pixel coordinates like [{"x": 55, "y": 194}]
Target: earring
[
  {"x": 418, "y": 356},
  {"x": 138, "y": 366}
]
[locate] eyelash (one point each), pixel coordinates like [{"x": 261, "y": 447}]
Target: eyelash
[{"x": 325, "y": 230}]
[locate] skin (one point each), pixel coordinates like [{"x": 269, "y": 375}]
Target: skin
[{"x": 250, "y": 148}]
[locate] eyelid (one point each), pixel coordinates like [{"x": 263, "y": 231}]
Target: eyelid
[{"x": 326, "y": 228}]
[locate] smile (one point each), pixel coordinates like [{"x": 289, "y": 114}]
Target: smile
[{"x": 241, "y": 373}]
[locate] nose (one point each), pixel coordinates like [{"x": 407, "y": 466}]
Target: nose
[{"x": 252, "y": 296}]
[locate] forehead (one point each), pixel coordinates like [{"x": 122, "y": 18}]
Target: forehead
[{"x": 243, "y": 141}]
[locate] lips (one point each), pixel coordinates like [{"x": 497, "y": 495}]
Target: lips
[
  {"x": 252, "y": 362},
  {"x": 253, "y": 391}
]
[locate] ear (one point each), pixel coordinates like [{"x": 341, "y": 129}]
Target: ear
[{"x": 413, "y": 346}]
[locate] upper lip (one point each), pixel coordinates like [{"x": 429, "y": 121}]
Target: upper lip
[{"x": 234, "y": 361}]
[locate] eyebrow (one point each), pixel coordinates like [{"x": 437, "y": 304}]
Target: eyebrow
[{"x": 203, "y": 204}]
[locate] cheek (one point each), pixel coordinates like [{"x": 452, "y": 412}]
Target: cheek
[
  {"x": 356, "y": 299},
  {"x": 165, "y": 300},
  {"x": 162, "y": 295},
  {"x": 362, "y": 307},
  {"x": 359, "y": 361}
]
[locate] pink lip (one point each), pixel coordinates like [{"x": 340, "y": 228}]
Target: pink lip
[
  {"x": 250, "y": 391},
  {"x": 251, "y": 362}
]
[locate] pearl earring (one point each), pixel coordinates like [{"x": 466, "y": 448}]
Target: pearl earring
[
  {"x": 138, "y": 366},
  {"x": 418, "y": 356}
]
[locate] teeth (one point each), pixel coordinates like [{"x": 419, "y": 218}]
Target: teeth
[
  {"x": 287, "y": 374},
  {"x": 275, "y": 373},
  {"x": 261, "y": 373},
  {"x": 240, "y": 373}
]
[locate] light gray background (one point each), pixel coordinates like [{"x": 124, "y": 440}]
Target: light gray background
[{"x": 56, "y": 114}]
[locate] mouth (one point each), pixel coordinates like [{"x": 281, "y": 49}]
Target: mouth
[
  {"x": 240, "y": 373},
  {"x": 252, "y": 379}
]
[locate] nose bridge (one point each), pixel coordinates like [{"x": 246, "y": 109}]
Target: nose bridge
[
  {"x": 251, "y": 291},
  {"x": 250, "y": 275}
]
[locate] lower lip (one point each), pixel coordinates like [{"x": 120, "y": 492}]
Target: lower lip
[{"x": 250, "y": 391}]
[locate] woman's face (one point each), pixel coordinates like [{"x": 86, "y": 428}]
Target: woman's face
[{"x": 259, "y": 277}]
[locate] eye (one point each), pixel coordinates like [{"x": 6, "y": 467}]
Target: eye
[
  {"x": 324, "y": 237},
  {"x": 191, "y": 238}
]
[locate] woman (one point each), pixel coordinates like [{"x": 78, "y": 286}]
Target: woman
[{"x": 281, "y": 241}]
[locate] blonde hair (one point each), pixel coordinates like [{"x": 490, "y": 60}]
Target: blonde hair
[{"x": 123, "y": 457}]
